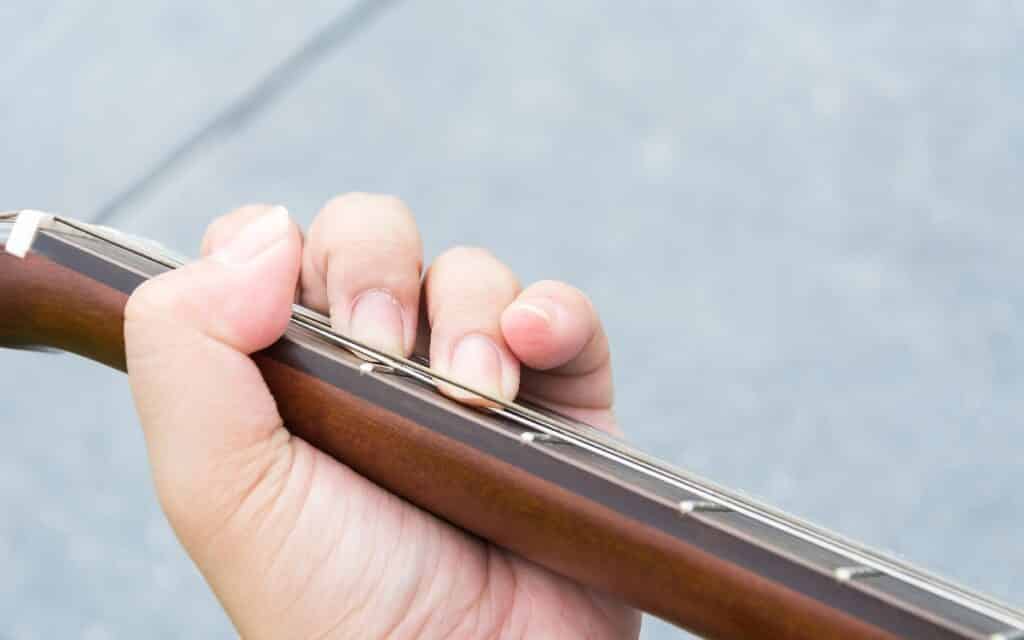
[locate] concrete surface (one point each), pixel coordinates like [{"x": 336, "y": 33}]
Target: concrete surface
[{"x": 801, "y": 222}]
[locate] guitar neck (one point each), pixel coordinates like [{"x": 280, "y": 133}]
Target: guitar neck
[{"x": 550, "y": 488}]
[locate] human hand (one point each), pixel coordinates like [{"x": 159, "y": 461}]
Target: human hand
[{"x": 293, "y": 543}]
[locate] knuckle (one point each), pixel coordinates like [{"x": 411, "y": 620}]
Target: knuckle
[
  {"x": 554, "y": 288},
  {"x": 565, "y": 291},
  {"x": 468, "y": 276},
  {"x": 148, "y": 301},
  {"x": 558, "y": 287},
  {"x": 382, "y": 222},
  {"x": 154, "y": 304},
  {"x": 475, "y": 264},
  {"x": 359, "y": 204},
  {"x": 142, "y": 314},
  {"x": 213, "y": 234},
  {"x": 220, "y": 226},
  {"x": 217, "y": 224},
  {"x": 462, "y": 254},
  {"x": 552, "y": 284}
]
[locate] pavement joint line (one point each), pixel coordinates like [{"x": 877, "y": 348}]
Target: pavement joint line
[{"x": 258, "y": 98}]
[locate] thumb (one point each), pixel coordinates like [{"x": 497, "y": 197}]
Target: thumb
[{"x": 211, "y": 426}]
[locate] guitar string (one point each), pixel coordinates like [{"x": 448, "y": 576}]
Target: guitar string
[
  {"x": 609, "y": 449},
  {"x": 612, "y": 451}
]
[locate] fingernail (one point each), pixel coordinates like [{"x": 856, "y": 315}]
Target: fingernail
[
  {"x": 376, "y": 320},
  {"x": 255, "y": 238},
  {"x": 538, "y": 308},
  {"x": 476, "y": 363}
]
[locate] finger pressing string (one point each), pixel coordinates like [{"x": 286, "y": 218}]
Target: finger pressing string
[
  {"x": 466, "y": 291},
  {"x": 362, "y": 265}
]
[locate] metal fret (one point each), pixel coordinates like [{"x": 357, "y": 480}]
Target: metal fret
[
  {"x": 845, "y": 574},
  {"x": 701, "y": 506},
  {"x": 370, "y": 367},
  {"x": 547, "y": 430},
  {"x": 587, "y": 447},
  {"x": 530, "y": 437}
]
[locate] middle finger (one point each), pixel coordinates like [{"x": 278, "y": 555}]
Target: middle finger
[{"x": 466, "y": 292}]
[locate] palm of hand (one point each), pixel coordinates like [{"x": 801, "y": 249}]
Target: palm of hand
[{"x": 405, "y": 574}]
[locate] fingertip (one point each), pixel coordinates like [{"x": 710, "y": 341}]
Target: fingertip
[
  {"x": 528, "y": 326},
  {"x": 240, "y": 294},
  {"x": 535, "y": 316},
  {"x": 478, "y": 362},
  {"x": 220, "y": 231},
  {"x": 256, "y": 293},
  {"x": 547, "y": 326}
]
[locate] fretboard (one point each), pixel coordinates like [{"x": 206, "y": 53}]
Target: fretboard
[{"x": 869, "y": 586}]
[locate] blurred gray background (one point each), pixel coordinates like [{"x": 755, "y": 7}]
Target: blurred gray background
[{"x": 801, "y": 221}]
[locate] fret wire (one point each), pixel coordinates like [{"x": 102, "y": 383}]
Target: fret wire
[
  {"x": 597, "y": 443},
  {"x": 788, "y": 524},
  {"x": 796, "y": 528},
  {"x": 321, "y": 326}
]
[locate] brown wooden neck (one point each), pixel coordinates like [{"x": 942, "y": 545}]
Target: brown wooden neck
[
  {"x": 51, "y": 305},
  {"x": 48, "y": 305},
  {"x": 716, "y": 572}
]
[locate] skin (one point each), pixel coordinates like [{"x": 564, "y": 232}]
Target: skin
[{"x": 293, "y": 543}]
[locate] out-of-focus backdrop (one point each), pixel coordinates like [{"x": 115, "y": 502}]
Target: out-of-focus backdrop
[{"x": 801, "y": 220}]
